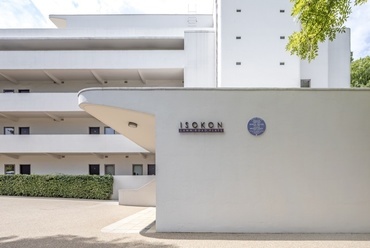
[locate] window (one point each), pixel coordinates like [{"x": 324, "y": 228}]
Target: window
[
  {"x": 282, "y": 37},
  {"x": 23, "y": 91},
  {"x": 137, "y": 169},
  {"x": 94, "y": 169},
  {"x": 24, "y": 130},
  {"x": 94, "y": 130},
  {"x": 282, "y": 11},
  {"x": 25, "y": 169},
  {"x": 109, "y": 130},
  {"x": 282, "y": 63},
  {"x": 238, "y": 63},
  {"x": 305, "y": 83},
  {"x": 109, "y": 169},
  {"x": 151, "y": 169},
  {"x": 8, "y": 130},
  {"x": 238, "y": 10},
  {"x": 9, "y": 169},
  {"x": 8, "y": 91},
  {"x": 238, "y": 37}
]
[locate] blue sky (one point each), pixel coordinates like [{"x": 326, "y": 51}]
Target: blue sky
[{"x": 34, "y": 14}]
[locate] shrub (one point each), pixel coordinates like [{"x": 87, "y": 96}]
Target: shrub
[{"x": 85, "y": 187}]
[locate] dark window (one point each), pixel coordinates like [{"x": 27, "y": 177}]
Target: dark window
[
  {"x": 24, "y": 130},
  {"x": 282, "y": 11},
  {"x": 282, "y": 37},
  {"x": 151, "y": 169},
  {"x": 94, "y": 130},
  {"x": 9, "y": 169},
  {"x": 8, "y": 91},
  {"x": 24, "y": 91},
  {"x": 238, "y": 63},
  {"x": 25, "y": 169},
  {"x": 109, "y": 130},
  {"x": 109, "y": 169},
  {"x": 305, "y": 83},
  {"x": 238, "y": 10},
  {"x": 94, "y": 169},
  {"x": 282, "y": 63},
  {"x": 8, "y": 130},
  {"x": 238, "y": 37}
]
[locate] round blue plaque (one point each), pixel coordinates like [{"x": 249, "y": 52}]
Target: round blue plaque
[{"x": 256, "y": 126}]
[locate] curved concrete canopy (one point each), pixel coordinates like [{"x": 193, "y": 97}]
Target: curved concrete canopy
[{"x": 118, "y": 119}]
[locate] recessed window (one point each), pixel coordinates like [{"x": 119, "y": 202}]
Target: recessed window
[
  {"x": 8, "y": 130},
  {"x": 282, "y": 37},
  {"x": 238, "y": 10},
  {"x": 305, "y": 83},
  {"x": 94, "y": 130},
  {"x": 9, "y": 169},
  {"x": 282, "y": 11},
  {"x": 25, "y": 169},
  {"x": 24, "y": 130},
  {"x": 109, "y": 169},
  {"x": 137, "y": 169},
  {"x": 8, "y": 91},
  {"x": 23, "y": 91},
  {"x": 109, "y": 130},
  {"x": 151, "y": 169},
  {"x": 282, "y": 63},
  {"x": 238, "y": 37},
  {"x": 94, "y": 169},
  {"x": 238, "y": 63}
]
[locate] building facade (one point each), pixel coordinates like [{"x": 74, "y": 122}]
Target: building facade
[{"x": 242, "y": 44}]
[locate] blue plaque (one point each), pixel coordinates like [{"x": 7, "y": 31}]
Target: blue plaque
[{"x": 256, "y": 126}]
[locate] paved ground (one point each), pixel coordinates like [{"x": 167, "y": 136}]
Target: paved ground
[{"x": 57, "y": 223}]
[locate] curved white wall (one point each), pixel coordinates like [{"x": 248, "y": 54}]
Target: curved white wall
[{"x": 309, "y": 172}]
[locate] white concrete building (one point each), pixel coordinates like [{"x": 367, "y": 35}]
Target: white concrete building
[{"x": 197, "y": 138}]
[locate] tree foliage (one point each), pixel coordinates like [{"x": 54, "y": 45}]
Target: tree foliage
[
  {"x": 360, "y": 72},
  {"x": 320, "y": 20}
]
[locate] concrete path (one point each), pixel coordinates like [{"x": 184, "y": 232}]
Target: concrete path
[
  {"x": 136, "y": 223},
  {"x": 64, "y": 223}
]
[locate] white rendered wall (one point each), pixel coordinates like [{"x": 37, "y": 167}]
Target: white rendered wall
[
  {"x": 260, "y": 50},
  {"x": 332, "y": 68},
  {"x": 307, "y": 173},
  {"x": 200, "y": 65},
  {"x": 340, "y": 61},
  {"x": 318, "y": 69},
  {"x": 133, "y": 183},
  {"x": 133, "y": 21}
]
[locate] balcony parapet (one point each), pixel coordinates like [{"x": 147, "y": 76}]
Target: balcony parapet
[{"x": 67, "y": 144}]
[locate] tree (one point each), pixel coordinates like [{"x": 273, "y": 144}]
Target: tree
[
  {"x": 320, "y": 20},
  {"x": 360, "y": 72}
]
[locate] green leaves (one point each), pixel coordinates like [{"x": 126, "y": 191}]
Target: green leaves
[
  {"x": 320, "y": 20},
  {"x": 360, "y": 72},
  {"x": 85, "y": 187}
]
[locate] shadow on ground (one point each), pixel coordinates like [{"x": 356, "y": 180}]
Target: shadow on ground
[
  {"x": 67, "y": 241},
  {"x": 259, "y": 237}
]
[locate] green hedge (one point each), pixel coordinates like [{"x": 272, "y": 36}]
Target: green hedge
[{"x": 85, "y": 187}]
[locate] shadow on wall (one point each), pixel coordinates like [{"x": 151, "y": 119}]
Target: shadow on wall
[{"x": 74, "y": 241}]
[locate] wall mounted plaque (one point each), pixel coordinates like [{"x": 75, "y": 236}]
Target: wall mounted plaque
[{"x": 256, "y": 126}]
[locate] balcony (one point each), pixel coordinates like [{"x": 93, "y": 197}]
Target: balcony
[
  {"x": 39, "y": 102},
  {"x": 67, "y": 144},
  {"x": 93, "y": 60}
]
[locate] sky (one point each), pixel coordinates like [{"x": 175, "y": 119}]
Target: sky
[{"x": 35, "y": 14}]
